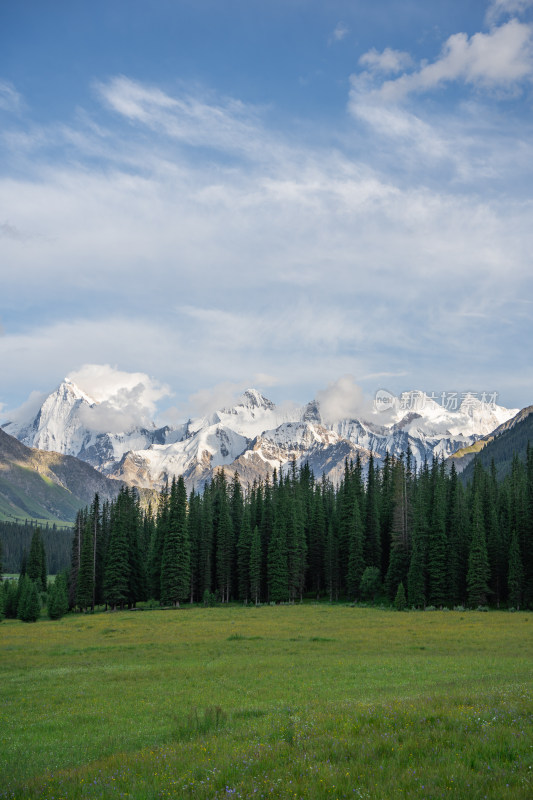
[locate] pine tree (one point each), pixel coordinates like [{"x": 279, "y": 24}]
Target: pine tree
[
  {"x": 34, "y": 568},
  {"x": 255, "y": 566},
  {"x": 176, "y": 565},
  {"x": 58, "y": 597},
  {"x": 438, "y": 544},
  {"x": 225, "y": 541},
  {"x": 400, "y": 601},
  {"x": 516, "y": 573},
  {"x": 75, "y": 558},
  {"x": 278, "y": 567},
  {"x": 370, "y": 583},
  {"x": 415, "y": 576},
  {"x": 29, "y": 605},
  {"x": 317, "y": 536},
  {"x": 244, "y": 546},
  {"x": 157, "y": 544},
  {"x": 116, "y": 576},
  {"x": 400, "y": 536},
  {"x": 85, "y": 584},
  {"x": 356, "y": 563},
  {"x": 331, "y": 561},
  {"x": 372, "y": 545},
  {"x": 478, "y": 562}
]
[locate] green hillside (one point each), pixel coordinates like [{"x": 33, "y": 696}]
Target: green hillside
[{"x": 46, "y": 487}]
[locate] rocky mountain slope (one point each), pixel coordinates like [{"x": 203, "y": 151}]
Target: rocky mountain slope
[{"x": 253, "y": 437}]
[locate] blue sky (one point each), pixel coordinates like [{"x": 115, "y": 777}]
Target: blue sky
[{"x": 277, "y": 194}]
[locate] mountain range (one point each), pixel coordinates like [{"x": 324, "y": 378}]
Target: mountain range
[{"x": 252, "y": 437}]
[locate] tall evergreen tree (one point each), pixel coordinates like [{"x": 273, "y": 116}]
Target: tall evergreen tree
[
  {"x": 278, "y": 567},
  {"x": 356, "y": 562},
  {"x": 478, "y": 562},
  {"x": 255, "y": 566},
  {"x": 175, "y": 566},
  {"x": 516, "y": 573},
  {"x": 244, "y": 546},
  {"x": 372, "y": 545},
  {"x": 117, "y": 571},
  {"x": 438, "y": 544},
  {"x": 34, "y": 568}
]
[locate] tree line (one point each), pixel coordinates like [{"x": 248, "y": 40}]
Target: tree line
[
  {"x": 414, "y": 537},
  {"x": 294, "y": 535}
]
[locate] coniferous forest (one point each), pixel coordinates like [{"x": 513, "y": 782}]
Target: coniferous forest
[
  {"x": 412, "y": 538},
  {"x": 401, "y": 536}
]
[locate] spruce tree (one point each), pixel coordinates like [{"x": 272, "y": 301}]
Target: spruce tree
[
  {"x": 34, "y": 567},
  {"x": 415, "y": 576},
  {"x": 58, "y": 597},
  {"x": 244, "y": 546},
  {"x": 176, "y": 565},
  {"x": 356, "y": 563},
  {"x": 400, "y": 601},
  {"x": 157, "y": 544},
  {"x": 438, "y": 543},
  {"x": 255, "y": 566},
  {"x": 478, "y": 562},
  {"x": 372, "y": 544},
  {"x": 29, "y": 605},
  {"x": 116, "y": 576},
  {"x": 85, "y": 584},
  {"x": 278, "y": 567},
  {"x": 516, "y": 573}
]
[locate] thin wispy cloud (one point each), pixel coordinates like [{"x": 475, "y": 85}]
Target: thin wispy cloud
[
  {"x": 179, "y": 233},
  {"x": 340, "y": 32}
]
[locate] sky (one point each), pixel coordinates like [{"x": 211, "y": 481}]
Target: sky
[{"x": 285, "y": 194}]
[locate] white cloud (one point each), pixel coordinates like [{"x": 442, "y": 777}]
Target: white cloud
[
  {"x": 501, "y": 8},
  {"x": 295, "y": 260},
  {"x": 10, "y": 99},
  {"x": 387, "y": 61},
  {"x": 343, "y": 399},
  {"x": 223, "y": 395},
  {"x": 500, "y": 59},
  {"x": 340, "y": 32},
  {"x": 228, "y": 125},
  {"x": 26, "y": 411},
  {"x": 104, "y": 383}
]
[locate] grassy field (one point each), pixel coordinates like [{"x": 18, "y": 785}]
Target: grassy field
[{"x": 312, "y": 701}]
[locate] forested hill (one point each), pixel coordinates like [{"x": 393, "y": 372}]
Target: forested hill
[
  {"x": 509, "y": 440},
  {"x": 46, "y": 486}
]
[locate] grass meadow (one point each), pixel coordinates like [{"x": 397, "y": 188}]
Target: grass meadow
[{"x": 304, "y": 701}]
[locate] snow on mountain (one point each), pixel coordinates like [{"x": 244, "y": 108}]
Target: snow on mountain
[
  {"x": 252, "y": 437},
  {"x": 65, "y": 423}
]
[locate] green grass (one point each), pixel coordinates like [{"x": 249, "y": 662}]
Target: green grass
[{"x": 311, "y": 701}]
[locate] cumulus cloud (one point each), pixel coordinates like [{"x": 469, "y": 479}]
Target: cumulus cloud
[
  {"x": 124, "y": 400},
  {"x": 343, "y": 399},
  {"x": 499, "y": 59}
]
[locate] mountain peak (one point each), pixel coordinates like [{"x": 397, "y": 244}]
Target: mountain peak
[{"x": 251, "y": 398}]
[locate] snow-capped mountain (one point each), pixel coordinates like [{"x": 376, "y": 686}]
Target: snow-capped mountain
[{"x": 253, "y": 437}]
